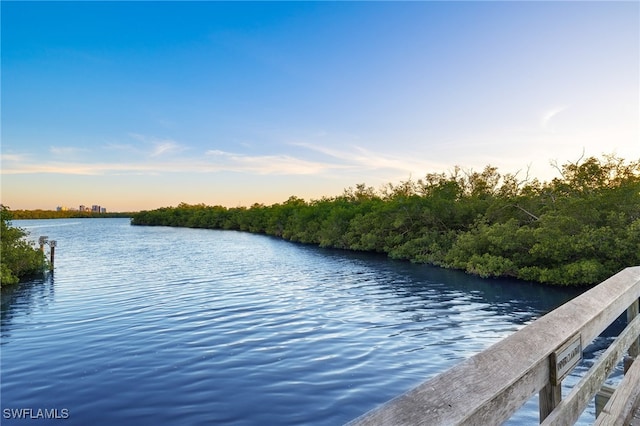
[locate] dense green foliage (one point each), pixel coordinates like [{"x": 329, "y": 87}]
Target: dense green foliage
[
  {"x": 575, "y": 230},
  {"x": 63, "y": 214},
  {"x": 18, "y": 258}
]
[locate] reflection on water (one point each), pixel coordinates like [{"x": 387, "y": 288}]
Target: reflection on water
[
  {"x": 143, "y": 325},
  {"x": 27, "y": 299}
]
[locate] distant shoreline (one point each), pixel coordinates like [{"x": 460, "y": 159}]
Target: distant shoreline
[{"x": 66, "y": 214}]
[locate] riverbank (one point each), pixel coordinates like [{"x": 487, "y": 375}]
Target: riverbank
[{"x": 574, "y": 230}]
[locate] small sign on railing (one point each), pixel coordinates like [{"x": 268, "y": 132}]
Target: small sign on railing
[{"x": 565, "y": 358}]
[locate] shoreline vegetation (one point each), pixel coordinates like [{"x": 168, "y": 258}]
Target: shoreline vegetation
[
  {"x": 63, "y": 214},
  {"x": 577, "y": 229},
  {"x": 18, "y": 257}
]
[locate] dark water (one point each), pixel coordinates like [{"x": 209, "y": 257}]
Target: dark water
[{"x": 154, "y": 325}]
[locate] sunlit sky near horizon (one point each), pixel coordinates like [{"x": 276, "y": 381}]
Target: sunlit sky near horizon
[{"x": 139, "y": 105}]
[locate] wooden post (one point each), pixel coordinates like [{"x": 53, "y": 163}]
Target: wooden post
[
  {"x": 548, "y": 399},
  {"x": 42, "y": 241},
  {"x": 561, "y": 362},
  {"x": 632, "y": 312},
  {"x": 52, "y": 244},
  {"x": 626, "y": 363}
]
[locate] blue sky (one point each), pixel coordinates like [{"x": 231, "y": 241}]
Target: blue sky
[{"x": 138, "y": 105}]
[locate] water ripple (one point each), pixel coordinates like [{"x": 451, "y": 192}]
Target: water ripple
[{"x": 182, "y": 326}]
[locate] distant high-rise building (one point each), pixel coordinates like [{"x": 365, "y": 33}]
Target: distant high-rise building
[{"x": 82, "y": 208}]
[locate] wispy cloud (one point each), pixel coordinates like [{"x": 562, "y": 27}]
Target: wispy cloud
[
  {"x": 76, "y": 168},
  {"x": 359, "y": 158},
  {"x": 212, "y": 162},
  {"x": 267, "y": 164},
  {"x": 166, "y": 147},
  {"x": 66, "y": 151},
  {"x": 551, "y": 113},
  {"x": 53, "y": 168},
  {"x": 159, "y": 147},
  {"x": 123, "y": 147},
  {"x": 354, "y": 159},
  {"x": 14, "y": 157}
]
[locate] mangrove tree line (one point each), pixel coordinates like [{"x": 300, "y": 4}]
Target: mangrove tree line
[
  {"x": 577, "y": 229},
  {"x": 63, "y": 214}
]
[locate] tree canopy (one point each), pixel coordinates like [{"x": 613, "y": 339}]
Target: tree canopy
[{"x": 577, "y": 229}]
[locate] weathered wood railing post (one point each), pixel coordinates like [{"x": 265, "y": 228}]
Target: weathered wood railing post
[
  {"x": 634, "y": 349},
  {"x": 548, "y": 399},
  {"x": 561, "y": 362},
  {"x": 632, "y": 312}
]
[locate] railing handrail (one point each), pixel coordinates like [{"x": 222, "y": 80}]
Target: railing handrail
[{"x": 490, "y": 386}]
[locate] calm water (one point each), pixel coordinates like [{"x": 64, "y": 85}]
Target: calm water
[{"x": 155, "y": 325}]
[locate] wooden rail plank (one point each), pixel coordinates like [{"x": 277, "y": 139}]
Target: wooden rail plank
[
  {"x": 620, "y": 409},
  {"x": 490, "y": 386}
]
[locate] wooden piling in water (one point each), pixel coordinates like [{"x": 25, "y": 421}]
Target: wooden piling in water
[
  {"x": 52, "y": 244},
  {"x": 42, "y": 241}
]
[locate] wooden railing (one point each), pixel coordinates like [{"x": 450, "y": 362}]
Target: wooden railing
[{"x": 489, "y": 387}]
